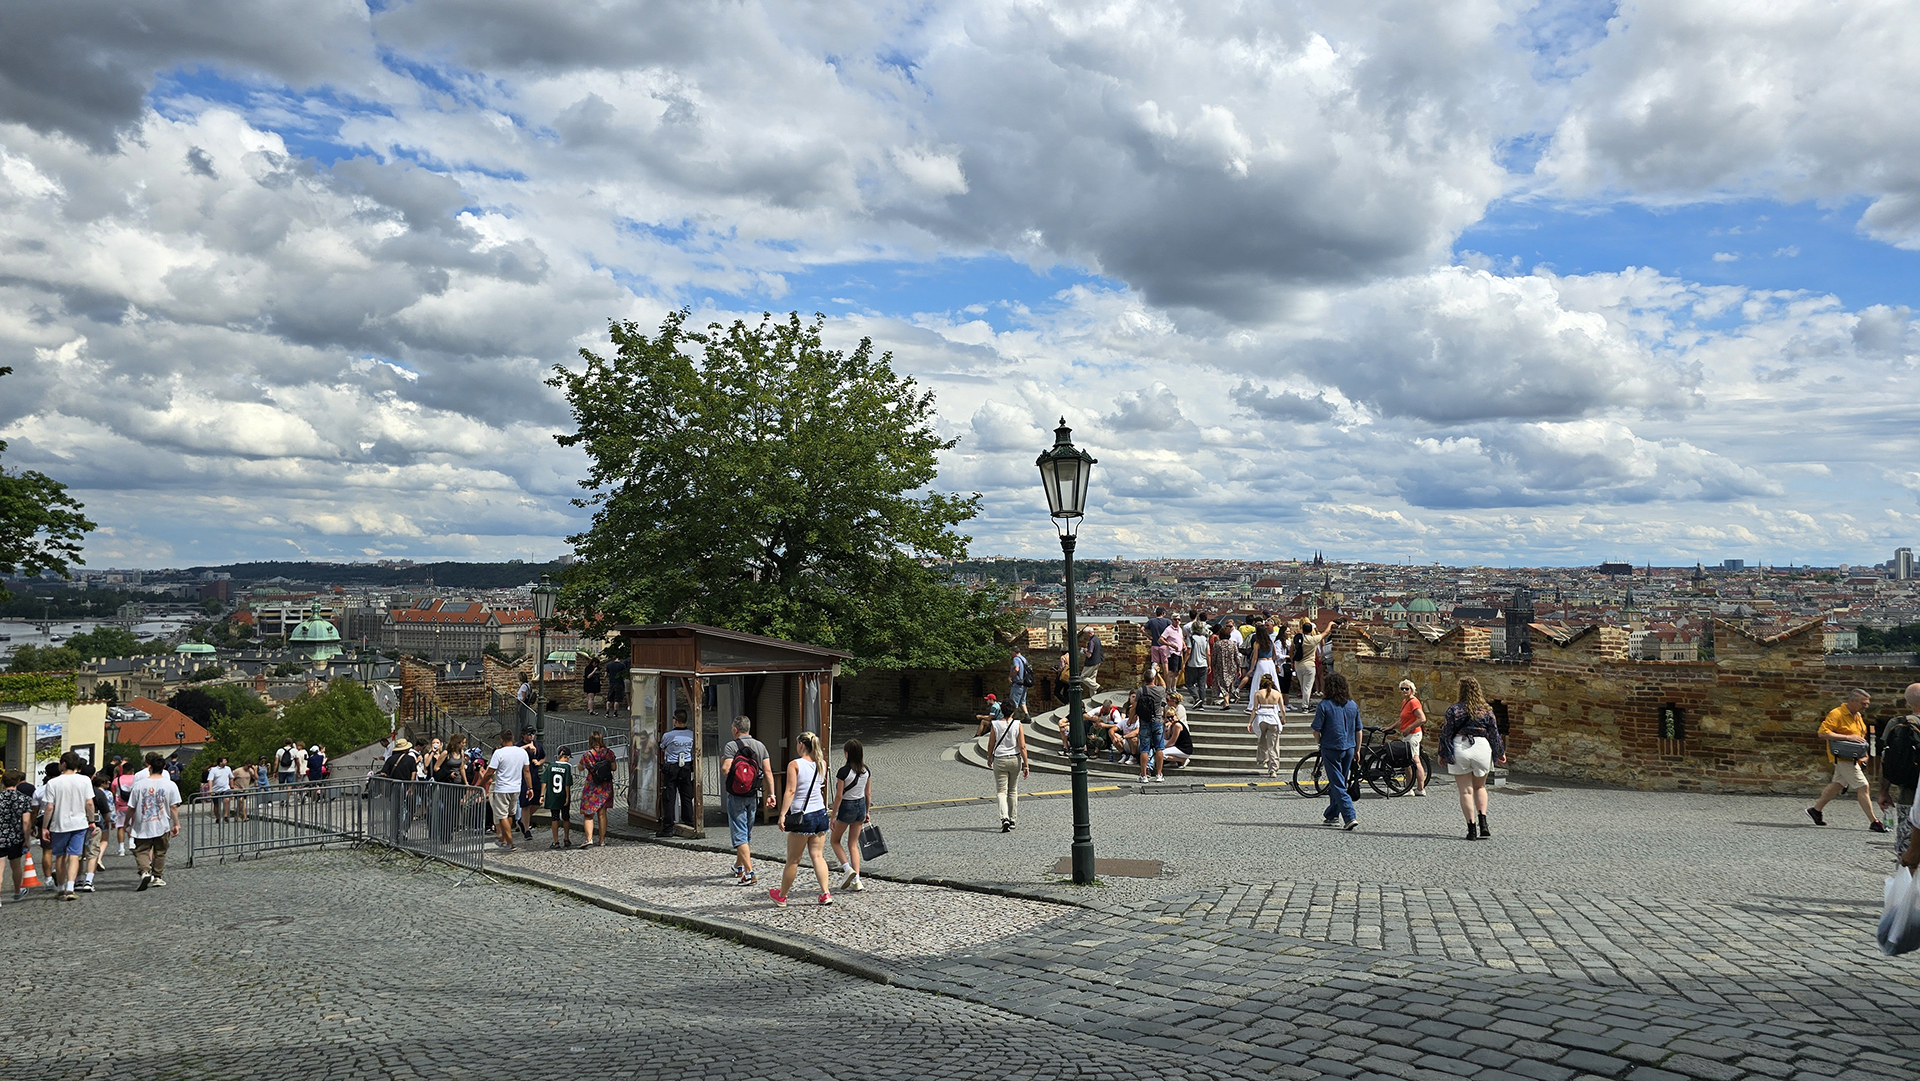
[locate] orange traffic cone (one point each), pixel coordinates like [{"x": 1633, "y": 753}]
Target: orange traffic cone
[{"x": 32, "y": 879}]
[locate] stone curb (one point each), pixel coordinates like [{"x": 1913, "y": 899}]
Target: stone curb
[
  {"x": 990, "y": 888},
  {"x": 770, "y": 941}
]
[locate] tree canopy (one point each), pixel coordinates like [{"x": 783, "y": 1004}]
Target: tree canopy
[
  {"x": 40, "y": 524},
  {"x": 748, "y": 477}
]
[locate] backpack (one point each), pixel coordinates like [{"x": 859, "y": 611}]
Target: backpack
[
  {"x": 602, "y": 771},
  {"x": 287, "y": 764},
  {"x": 743, "y": 777},
  {"x": 1299, "y": 651},
  {"x": 1900, "y": 752}
]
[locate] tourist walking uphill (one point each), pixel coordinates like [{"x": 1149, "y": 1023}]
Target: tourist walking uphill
[
  {"x": 1007, "y": 750},
  {"x": 156, "y": 821},
  {"x": 1845, "y": 733},
  {"x": 852, "y": 795},
  {"x": 1265, "y": 657},
  {"x": 507, "y": 774},
  {"x": 1470, "y": 745},
  {"x": 1019, "y": 678},
  {"x": 1338, "y": 722},
  {"x": 803, "y": 817},
  {"x": 1269, "y": 716},
  {"x": 748, "y": 787}
]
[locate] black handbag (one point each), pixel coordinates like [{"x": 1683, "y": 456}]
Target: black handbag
[{"x": 872, "y": 844}]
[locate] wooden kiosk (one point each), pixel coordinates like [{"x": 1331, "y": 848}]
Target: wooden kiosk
[{"x": 717, "y": 675}]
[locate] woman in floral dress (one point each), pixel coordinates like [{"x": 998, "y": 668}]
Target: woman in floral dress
[{"x": 595, "y": 797}]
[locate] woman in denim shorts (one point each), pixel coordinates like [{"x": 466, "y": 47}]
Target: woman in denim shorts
[
  {"x": 803, "y": 817},
  {"x": 852, "y": 795}
]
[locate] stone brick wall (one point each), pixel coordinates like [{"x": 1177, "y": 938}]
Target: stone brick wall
[
  {"x": 420, "y": 681},
  {"x": 1582, "y": 709}
]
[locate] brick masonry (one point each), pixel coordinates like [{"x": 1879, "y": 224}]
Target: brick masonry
[{"x": 1580, "y": 708}]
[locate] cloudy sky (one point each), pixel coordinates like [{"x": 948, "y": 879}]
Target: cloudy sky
[{"x": 1472, "y": 281}]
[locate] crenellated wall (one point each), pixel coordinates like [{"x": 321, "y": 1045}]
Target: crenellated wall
[{"x": 1580, "y": 708}]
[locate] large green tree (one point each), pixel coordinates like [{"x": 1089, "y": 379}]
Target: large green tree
[
  {"x": 749, "y": 477},
  {"x": 40, "y": 524}
]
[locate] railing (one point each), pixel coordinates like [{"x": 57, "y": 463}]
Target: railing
[
  {"x": 439, "y": 821},
  {"x": 255, "y": 821}
]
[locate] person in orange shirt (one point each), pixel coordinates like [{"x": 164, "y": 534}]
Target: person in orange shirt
[{"x": 1847, "y": 724}]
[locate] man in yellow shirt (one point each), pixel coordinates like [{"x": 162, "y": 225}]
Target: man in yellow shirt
[{"x": 1847, "y": 722}]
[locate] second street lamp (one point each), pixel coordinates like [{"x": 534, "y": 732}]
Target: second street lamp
[
  {"x": 1064, "y": 473},
  {"x": 545, "y": 596}
]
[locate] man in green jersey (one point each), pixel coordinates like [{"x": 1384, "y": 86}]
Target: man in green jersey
[{"x": 556, "y": 785}]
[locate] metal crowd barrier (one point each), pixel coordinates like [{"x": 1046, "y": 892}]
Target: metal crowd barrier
[
  {"x": 440, "y": 821},
  {"x": 254, "y": 821}
]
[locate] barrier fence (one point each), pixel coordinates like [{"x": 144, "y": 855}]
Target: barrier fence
[
  {"x": 255, "y": 821},
  {"x": 436, "y": 821}
]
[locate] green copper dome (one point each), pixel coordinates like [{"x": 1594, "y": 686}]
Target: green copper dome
[
  {"x": 1422, "y": 604},
  {"x": 315, "y": 630}
]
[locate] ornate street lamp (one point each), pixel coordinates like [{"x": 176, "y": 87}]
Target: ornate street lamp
[
  {"x": 1064, "y": 473},
  {"x": 545, "y": 596}
]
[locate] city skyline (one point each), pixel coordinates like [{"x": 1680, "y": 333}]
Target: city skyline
[{"x": 1540, "y": 283}]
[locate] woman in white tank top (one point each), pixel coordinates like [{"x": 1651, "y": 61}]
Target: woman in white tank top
[
  {"x": 803, "y": 816},
  {"x": 1269, "y": 713}
]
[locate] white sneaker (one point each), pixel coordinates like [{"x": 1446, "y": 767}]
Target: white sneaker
[
  {"x": 848, "y": 883},
  {"x": 859, "y": 884},
  {"x": 158, "y": 881},
  {"x": 1419, "y": 791}
]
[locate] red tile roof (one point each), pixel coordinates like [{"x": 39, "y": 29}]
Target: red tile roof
[
  {"x": 164, "y": 729},
  {"x": 442, "y": 613}
]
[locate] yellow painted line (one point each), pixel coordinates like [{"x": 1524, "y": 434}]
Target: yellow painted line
[
  {"x": 1247, "y": 784},
  {"x": 1069, "y": 791}
]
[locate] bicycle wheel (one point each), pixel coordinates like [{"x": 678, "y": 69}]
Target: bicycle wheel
[
  {"x": 1382, "y": 777},
  {"x": 1308, "y": 778}
]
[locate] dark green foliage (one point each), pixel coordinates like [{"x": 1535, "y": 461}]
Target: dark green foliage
[
  {"x": 751, "y": 478},
  {"x": 40, "y": 524},
  {"x": 342, "y": 718},
  {"x": 1902, "y": 639},
  {"x": 32, "y": 658}
]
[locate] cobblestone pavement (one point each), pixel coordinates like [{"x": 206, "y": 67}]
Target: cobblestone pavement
[
  {"x": 339, "y": 965},
  {"x": 334, "y": 966},
  {"x": 892, "y": 922}
]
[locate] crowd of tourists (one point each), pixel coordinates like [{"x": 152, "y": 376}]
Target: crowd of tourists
[{"x": 77, "y": 810}]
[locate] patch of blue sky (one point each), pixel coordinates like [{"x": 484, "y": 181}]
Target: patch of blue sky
[
  {"x": 308, "y": 121},
  {"x": 989, "y": 287},
  {"x": 1756, "y": 243},
  {"x": 1559, "y": 32}
]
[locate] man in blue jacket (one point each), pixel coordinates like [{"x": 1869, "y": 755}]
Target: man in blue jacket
[{"x": 1337, "y": 719}]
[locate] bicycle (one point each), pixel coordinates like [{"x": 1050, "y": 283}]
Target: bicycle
[{"x": 1372, "y": 764}]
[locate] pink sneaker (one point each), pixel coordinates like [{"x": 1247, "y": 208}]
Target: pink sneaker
[
  {"x": 826, "y": 898},
  {"x": 779, "y": 897}
]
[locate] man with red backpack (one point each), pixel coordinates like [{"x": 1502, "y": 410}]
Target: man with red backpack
[{"x": 746, "y": 786}]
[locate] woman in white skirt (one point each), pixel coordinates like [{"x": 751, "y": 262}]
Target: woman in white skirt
[
  {"x": 1269, "y": 717},
  {"x": 1471, "y": 746},
  {"x": 1266, "y": 653}
]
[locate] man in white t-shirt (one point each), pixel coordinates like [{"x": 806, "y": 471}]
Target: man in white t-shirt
[
  {"x": 66, "y": 816},
  {"x": 155, "y": 813},
  {"x": 508, "y": 772},
  {"x": 220, "y": 786}
]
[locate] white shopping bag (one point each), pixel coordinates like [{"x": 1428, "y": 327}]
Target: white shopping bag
[{"x": 1900, "y": 920}]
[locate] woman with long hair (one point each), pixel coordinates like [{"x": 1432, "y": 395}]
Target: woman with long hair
[
  {"x": 852, "y": 795},
  {"x": 1471, "y": 746},
  {"x": 595, "y": 796},
  {"x": 1337, "y": 719},
  {"x": 1269, "y": 719},
  {"x": 1265, "y": 654},
  {"x": 590, "y": 683},
  {"x": 803, "y": 818},
  {"x": 446, "y": 767}
]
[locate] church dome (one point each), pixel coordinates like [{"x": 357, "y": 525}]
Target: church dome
[
  {"x": 1422, "y": 604},
  {"x": 315, "y": 630}
]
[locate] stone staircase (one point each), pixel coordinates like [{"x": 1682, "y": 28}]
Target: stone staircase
[{"x": 1222, "y": 745}]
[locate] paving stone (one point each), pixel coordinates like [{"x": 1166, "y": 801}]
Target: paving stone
[
  {"x": 1590, "y": 1062},
  {"x": 1705, "y": 1068}
]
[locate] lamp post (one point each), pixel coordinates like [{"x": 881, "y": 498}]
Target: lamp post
[
  {"x": 545, "y": 596},
  {"x": 1064, "y": 472}
]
